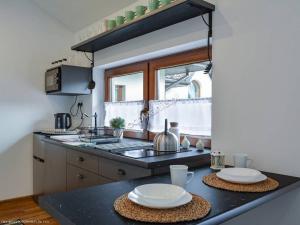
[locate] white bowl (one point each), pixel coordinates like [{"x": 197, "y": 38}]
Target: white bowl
[
  {"x": 242, "y": 179},
  {"x": 166, "y": 192},
  {"x": 160, "y": 204},
  {"x": 240, "y": 172}
]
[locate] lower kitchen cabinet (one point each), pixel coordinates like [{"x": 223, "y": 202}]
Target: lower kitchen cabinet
[
  {"x": 38, "y": 165},
  {"x": 80, "y": 178},
  {"x": 38, "y": 176},
  {"x": 83, "y": 160},
  {"x": 55, "y": 168},
  {"x": 121, "y": 171}
]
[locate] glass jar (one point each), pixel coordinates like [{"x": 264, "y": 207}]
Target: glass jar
[
  {"x": 217, "y": 160},
  {"x": 175, "y": 130}
]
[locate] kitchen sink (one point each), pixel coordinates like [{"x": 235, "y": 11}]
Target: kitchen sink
[
  {"x": 123, "y": 144},
  {"x": 101, "y": 139}
]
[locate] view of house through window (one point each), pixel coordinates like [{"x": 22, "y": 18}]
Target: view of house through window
[
  {"x": 128, "y": 87},
  {"x": 183, "y": 95},
  {"x": 184, "y": 82}
]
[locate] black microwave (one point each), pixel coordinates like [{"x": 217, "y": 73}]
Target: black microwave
[{"x": 68, "y": 80}]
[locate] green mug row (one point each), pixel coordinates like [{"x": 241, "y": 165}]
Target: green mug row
[{"x": 140, "y": 10}]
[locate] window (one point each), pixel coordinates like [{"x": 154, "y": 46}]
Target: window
[
  {"x": 127, "y": 87},
  {"x": 173, "y": 87},
  {"x": 126, "y": 93},
  {"x": 183, "y": 96},
  {"x": 184, "y": 82}
]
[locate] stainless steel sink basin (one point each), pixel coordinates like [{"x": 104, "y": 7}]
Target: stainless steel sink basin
[
  {"x": 100, "y": 139},
  {"x": 124, "y": 144}
]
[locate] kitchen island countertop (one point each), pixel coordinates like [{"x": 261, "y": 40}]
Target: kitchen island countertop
[{"x": 94, "y": 205}]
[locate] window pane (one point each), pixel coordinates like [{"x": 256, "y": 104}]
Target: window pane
[
  {"x": 183, "y": 96},
  {"x": 184, "y": 82},
  {"x": 129, "y": 111},
  {"x": 192, "y": 115},
  {"x": 127, "y": 88}
]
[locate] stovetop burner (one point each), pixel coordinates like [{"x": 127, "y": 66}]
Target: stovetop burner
[{"x": 145, "y": 153}]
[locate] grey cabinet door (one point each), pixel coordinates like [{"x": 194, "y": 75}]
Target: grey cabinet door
[
  {"x": 120, "y": 171},
  {"x": 38, "y": 146},
  {"x": 83, "y": 160},
  {"x": 80, "y": 178},
  {"x": 38, "y": 176},
  {"x": 55, "y": 168},
  {"x": 38, "y": 164}
]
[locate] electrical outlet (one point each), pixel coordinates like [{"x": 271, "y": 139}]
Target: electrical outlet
[{"x": 80, "y": 104}]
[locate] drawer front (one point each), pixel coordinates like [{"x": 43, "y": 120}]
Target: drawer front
[
  {"x": 80, "y": 178},
  {"x": 83, "y": 160},
  {"x": 120, "y": 171}
]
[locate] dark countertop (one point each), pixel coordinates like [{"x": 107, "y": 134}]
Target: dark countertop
[
  {"x": 94, "y": 205},
  {"x": 151, "y": 162}
]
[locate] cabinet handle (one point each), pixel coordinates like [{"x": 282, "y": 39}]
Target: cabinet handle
[
  {"x": 80, "y": 176},
  {"x": 121, "y": 172},
  {"x": 39, "y": 159},
  {"x": 80, "y": 159}
]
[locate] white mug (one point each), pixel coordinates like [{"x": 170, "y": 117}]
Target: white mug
[
  {"x": 241, "y": 160},
  {"x": 179, "y": 175}
]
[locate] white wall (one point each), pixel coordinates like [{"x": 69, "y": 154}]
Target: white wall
[
  {"x": 29, "y": 41},
  {"x": 255, "y": 84},
  {"x": 255, "y": 93}
]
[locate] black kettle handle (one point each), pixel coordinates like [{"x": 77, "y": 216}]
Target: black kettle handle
[
  {"x": 69, "y": 121},
  {"x": 166, "y": 126}
]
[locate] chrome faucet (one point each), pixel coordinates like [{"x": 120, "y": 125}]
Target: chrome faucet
[{"x": 95, "y": 124}]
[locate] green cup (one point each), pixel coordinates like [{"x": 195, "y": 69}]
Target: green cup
[
  {"x": 120, "y": 20},
  {"x": 165, "y": 2},
  {"x": 129, "y": 15},
  {"x": 140, "y": 10},
  {"x": 153, "y": 4},
  {"x": 111, "y": 24}
]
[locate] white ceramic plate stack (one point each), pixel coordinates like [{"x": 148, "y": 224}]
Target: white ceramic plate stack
[
  {"x": 241, "y": 175},
  {"x": 160, "y": 196}
]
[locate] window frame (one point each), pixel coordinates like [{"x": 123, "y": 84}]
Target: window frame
[
  {"x": 149, "y": 69},
  {"x": 182, "y": 58},
  {"x": 123, "y": 71}
]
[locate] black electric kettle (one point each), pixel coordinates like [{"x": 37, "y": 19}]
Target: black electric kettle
[{"x": 63, "y": 121}]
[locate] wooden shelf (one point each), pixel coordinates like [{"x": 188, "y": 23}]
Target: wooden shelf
[{"x": 173, "y": 13}]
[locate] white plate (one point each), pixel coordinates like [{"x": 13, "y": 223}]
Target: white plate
[
  {"x": 240, "y": 172},
  {"x": 241, "y": 179},
  {"x": 166, "y": 192},
  {"x": 160, "y": 204}
]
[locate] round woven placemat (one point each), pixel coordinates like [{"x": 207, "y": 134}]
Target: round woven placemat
[
  {"x": 196, "y": 209},
  {"x": 264, "y": 186}
]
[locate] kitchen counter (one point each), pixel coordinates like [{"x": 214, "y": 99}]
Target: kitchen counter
[
  {"x": 199, "y": 157},
  {"x": 94, "y": 205}
]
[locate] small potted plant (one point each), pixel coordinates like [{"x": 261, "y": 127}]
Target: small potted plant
[{"x": 118, "y": 124}]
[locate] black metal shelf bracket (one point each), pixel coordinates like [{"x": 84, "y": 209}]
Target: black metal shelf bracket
[{"x": 210, "y": 18}]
